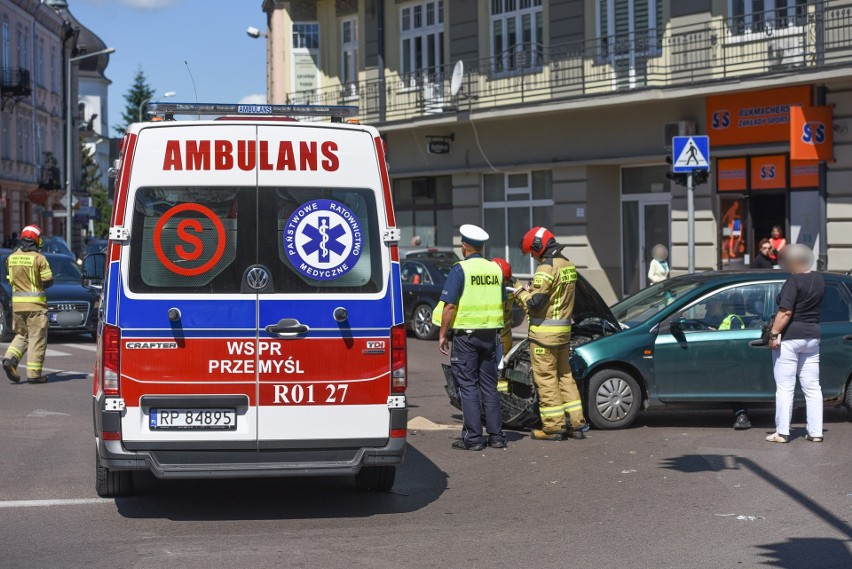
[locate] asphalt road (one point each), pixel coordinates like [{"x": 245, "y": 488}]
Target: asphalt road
[{"x": 680, "y": 490}]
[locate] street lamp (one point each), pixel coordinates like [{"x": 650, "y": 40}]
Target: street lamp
[
  {"x": 255, "y": 33},
  {"x": 69, "y": 127},
  {"x": 145, "y": 102}
]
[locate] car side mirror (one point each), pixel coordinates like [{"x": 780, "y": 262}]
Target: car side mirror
[
  {"x": 677, "y": 325},
  {"x": 94, "y": 268}
]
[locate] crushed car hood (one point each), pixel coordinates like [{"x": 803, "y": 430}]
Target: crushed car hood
[{"x": 589, "y": 304}]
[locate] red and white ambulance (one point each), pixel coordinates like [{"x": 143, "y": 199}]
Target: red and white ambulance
[{"x": 252, "y": 320}]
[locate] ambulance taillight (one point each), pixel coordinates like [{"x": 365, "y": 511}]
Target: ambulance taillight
[
  {"x": 399, "y": 357},
  {"x": 111, "y": 359}
]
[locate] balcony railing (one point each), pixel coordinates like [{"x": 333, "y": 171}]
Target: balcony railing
[
  {"x": 15, "y": 82},
  {"x": 807, "y": 38}
]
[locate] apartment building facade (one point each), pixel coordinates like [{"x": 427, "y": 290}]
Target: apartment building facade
[{"x": 561, "y": 112}]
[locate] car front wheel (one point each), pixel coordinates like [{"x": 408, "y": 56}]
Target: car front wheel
[
  {"x": 422, "y": 323},
  {"x": 614, "y": 399}
]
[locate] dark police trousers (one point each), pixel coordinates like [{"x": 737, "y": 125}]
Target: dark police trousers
[{"x": 474, "y": 364}]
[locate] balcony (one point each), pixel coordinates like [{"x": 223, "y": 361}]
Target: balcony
[
  {"x": 49, "y": 178},
  {"x": 15, "y": 84},
  {"x": 809, "y": 38}
]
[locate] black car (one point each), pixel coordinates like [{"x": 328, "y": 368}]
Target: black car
[
  {"x": 96, "y": 245},
  {"x": 422, "y": 282},
  {"x": 71, "y": 307}
]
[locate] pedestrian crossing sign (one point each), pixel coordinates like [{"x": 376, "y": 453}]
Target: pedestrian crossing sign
[{"x": 690, "y": 153}]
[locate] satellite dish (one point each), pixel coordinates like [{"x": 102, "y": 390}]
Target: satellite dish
[{"x": 458, "y": 76}]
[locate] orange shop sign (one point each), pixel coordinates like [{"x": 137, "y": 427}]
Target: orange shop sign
[
  {"x": 811, "y": 133},
  {"x": 804, "y": 173},
  {"x": 754, "y": 116},
  {"x": 731, "y": 175},
  {"x": 768, "y": 172}
]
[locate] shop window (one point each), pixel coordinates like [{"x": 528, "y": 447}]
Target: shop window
[
  {"x": 517, "y": 37},
  {"x": 512, "y": 204},
  {"x": 423, "y": 209},
  {"x": 422, "y": 42}
]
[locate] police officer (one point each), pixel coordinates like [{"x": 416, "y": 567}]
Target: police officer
[
  {"x": 550, "y": 301},
  {"x": 473, "y": 310},
  {"x": 29, "y": 275}
]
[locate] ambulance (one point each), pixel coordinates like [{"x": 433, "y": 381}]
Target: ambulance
[{"x": 251, "y": 323}]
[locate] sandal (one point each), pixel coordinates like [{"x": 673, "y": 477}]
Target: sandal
[
  {"x": 813, "y": 439},
  {"x": 776, "y": 438}
]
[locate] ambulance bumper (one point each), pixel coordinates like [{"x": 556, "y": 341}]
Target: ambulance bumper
[{"x": 311, "y": 458}]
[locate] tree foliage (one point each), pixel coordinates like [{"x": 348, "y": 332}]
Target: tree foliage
[
  {"x": 139, "y": 92},
  {"x": 90, "y": 181}
]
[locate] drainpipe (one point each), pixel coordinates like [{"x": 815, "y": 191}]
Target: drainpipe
[
  {"x": 822, "y": 255},
  {"x": 380, "y": 58}
]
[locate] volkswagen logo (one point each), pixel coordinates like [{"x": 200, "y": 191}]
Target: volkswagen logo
[{"x": 257, "y": 278}]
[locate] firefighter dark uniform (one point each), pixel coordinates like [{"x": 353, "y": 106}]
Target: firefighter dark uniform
[
  {"x": 29, "y": 274},
  {"x": 473, "y": 310},
  {"x": 550, "y": 300}
]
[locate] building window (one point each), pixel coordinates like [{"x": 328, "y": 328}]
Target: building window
[
  {"x": 512, "y": 204},
  {"x": 54, "y": 71},
  {"x": 517, "y": 37},
  {"x": 305, "y": 64},
  {"x": 422, "y": 42},
  {"x": 39, "y": 65},
  {"x": 349, "y": 55},
  {"x": 5, "y": 119},
  {"x": 765, "y": 15},
  {"x": 7, "y": 50},
  {"x": 423, "y": 209}
]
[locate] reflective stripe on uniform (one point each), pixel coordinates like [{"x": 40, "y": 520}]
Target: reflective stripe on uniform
[
  {"x": 503, "y": 387},
  {"x": 15, "y": 352},
  {"x": 34, "y": 367},
  {"x": 551, "y": 411},
  {"x": 573, "y": 406},
  {"x": 27, "y": 294},
  {"x": 39, "y": 297}
]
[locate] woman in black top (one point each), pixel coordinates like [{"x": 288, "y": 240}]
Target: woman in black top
[
  {"x": 794, "y": 340},
  {"x": 762, "y": 259}
]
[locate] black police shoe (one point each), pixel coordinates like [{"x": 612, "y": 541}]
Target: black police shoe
[
  {"x": 10, "y": 366},
  {"x": 461, "y": 445},
  {"x": 497, "y": 444},
  {"x": 742, "y": 423}
]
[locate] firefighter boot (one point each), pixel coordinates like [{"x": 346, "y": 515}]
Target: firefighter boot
[
  {"x": 10, "y": 366},
  {"x": 542, "y": 435}
]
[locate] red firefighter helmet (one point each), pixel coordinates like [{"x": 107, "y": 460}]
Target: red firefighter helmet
[
  {"x": 32, "y": 232},
  {"x": 535, "y": 240},
  {"x": 505, "y": 267}
]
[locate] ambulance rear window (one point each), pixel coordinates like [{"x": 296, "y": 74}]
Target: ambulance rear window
[{"x": 203, "y": 239}]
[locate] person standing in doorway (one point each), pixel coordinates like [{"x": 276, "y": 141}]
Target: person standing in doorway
[
  {"x": 658, "y": 269},
  {"x": 550, "y": 302},
  {"x": 778, "y": 243},
  {"x": 763, "y": 260},
  {"x": 794, "y": 339},
  {"x": 29, "y": 275},
  {"x": 473, "y": 298}
]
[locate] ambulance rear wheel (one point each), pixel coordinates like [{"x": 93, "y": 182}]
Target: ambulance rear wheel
[
  {"x": 376, "y": 478},
  {"x": 422, "y": 323},
  {"x": 112, "y": 483}
]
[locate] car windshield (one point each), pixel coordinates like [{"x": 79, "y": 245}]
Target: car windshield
[
  {"x": 56, "y": 245},
  {"x": 648, "y": 303},
  {"x": 444, "y": 268},
  {"x": 64, "y": 269}
]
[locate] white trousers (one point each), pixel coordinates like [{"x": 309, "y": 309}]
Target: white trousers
[{"x": 797, "y": 358}]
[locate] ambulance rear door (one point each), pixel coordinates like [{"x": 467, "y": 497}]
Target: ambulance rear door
[
  {"x": 188, "y": 319},
  {"x": 326, "y": 311}
]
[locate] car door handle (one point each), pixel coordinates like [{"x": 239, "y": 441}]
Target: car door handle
[
  {"x": 757, "y": 344},
  {"x": 287, "y": 328}
]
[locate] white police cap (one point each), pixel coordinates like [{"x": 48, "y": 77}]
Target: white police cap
[{"x": 473, "y": 235}]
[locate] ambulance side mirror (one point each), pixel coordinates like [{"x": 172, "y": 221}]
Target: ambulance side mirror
[{"x": 94, "y": 267}]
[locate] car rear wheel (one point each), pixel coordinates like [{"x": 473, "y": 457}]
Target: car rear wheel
[
  {"x": 112, "y": 483},
  {"x": 422, "y": 323},
  {"x": 6, "y": 333},
  {"x": 614, "y": 399},
  {"x": 375, "y": 478},
  {"x": 848, "y": 400}
]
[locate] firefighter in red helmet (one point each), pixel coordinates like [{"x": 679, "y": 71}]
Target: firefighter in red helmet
[
  {"x": 506, "y": 332},
  {"x": 549, "y": 300},
  {"x": 30, "y": 275}
]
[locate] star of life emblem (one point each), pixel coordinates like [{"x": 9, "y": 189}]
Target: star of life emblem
[{"x": 323, "y": 239}]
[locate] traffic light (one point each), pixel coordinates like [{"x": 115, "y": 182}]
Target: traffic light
[{"x": 699, "y": 177}]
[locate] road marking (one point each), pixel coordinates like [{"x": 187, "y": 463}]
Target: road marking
[
  {"x": 51, "y": 353},
  {"x": 46, "y": 413},
  {"x": 43, "y": 503},
  {"x": 85, "y": 347}
]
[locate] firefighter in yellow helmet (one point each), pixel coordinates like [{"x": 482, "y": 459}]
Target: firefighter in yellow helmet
[
  {"x": 550, "y": 302},
  {"x": 29, "y": 275}
]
